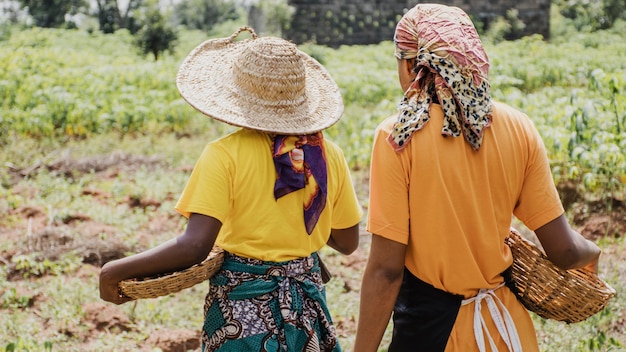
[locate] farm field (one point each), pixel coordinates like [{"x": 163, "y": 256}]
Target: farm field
[{"x": 96, "y": 146}]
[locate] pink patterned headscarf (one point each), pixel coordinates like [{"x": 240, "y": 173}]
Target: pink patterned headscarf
[{"x": 451, "y": 65}]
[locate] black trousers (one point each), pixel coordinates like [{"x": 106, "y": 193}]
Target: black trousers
[{"x": 423, "y": 316}]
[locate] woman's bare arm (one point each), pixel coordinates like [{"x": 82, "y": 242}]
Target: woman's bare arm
[
  {"x": 567, "y": 248},
  {"x": 190, "y": 248},
  {"x": 345, "y": 241},
  {"x": 381, "y": 283}
]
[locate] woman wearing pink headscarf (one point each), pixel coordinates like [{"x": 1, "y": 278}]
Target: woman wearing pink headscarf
[{"x": 448, "y": 172}]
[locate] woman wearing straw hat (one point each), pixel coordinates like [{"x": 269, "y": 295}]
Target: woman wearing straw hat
[
  {"x": 447, "y": 174},
  {"x": 275, "y": 190}
]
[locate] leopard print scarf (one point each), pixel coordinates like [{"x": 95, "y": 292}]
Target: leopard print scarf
[{"x": 451, "y": 66}]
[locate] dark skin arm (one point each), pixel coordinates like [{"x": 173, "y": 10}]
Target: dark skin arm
[
  {"x": 190, "y": 248},
  {"x": 344, "y": 241},
  {"x": 567, "y": 248},
  {"x": 379, "y": 290}
]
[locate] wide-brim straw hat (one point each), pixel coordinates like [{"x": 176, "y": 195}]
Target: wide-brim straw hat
[
  {"x": 569, "y": 296},
  {"x": 162, "y": 285},
  {"x": 261, "y": 83}
]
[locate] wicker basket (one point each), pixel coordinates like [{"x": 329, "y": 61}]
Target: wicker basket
[
  {"x": 569, "y": 296},
  {"x": 162, "y": 285}
]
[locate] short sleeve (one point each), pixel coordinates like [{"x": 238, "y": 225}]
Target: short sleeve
[
  {"x": 388, "y": 214},
  {"x": 539, "y": 201},
  {"x": 209, "y": 188},
  {"x": 347, "y": 211}
]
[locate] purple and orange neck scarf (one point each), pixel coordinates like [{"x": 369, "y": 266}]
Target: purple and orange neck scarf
[
  {"x": 451, "y": 65},
  {"x": 300, "y": 162}
]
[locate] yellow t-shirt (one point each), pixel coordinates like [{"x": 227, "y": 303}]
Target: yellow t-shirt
[
  {"x": 452, "y": 206},
  {"x": 233, "y": 181}
]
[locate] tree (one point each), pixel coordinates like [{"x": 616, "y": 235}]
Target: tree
[
  {"x": 615, "y": 9},
  {"x": 271, "y": 17},
  {"x": 204, "y": 14},
  {"x": 111, "y": 17},
  {"x": 51, "y": 13},
  {"x": 592, "y": 15},
  {"x": 156, "y": 34}
]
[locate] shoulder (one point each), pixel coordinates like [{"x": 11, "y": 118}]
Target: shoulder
[
  {"x": 506, "y": 114},
  {"x": 516, "y": 125},
  {"x": 241, "y": 135},
  {"x": 333, "y": 150},
  {"x": 503, "y": 110},
  {"x": 336, "y": 161},
  {"x": 241, "y": 140},
  {"x": 232, "y": 147},
  {"x": 386, "y": 126}
]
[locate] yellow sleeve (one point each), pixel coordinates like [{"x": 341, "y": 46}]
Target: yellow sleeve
[
  {"x": 346, "y": 209},
  {"x": 209, "y": 188}
]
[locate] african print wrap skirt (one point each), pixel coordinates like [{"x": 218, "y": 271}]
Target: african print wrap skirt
[{"x": 254, "y": 305}]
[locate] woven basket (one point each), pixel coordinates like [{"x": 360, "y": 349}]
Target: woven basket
[
  {"x": 569, "y": 296},
  {"x": 162, "y": 285}
]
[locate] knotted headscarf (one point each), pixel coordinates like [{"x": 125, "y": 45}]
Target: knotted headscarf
[
  {"x": 300, "y": 162},
  {"x": 451, "y": 65}
]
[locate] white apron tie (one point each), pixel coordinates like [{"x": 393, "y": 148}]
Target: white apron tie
[{"x": 505, "y": 325}]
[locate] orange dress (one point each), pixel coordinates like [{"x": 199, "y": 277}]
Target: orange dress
[{"x": 452, "y": 206}]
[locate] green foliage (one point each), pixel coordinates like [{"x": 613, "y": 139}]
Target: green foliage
[
  {"x": 601, "y": 342},
  {"x": 274, "y": 16},
  {"x": 573, "y": 90},
  {"x": 156, "y": 34},
  {"x": 12, "y": 13},
  {"x": 34, "y": 265},
  {"x": 315, "y": 51},
  {"x": 5, "y": 32},
  {"x": 11, "y": 299},
  {"x": 505, "y": 28},
  {"x": 112, "y": 18},
  {"x": 478, "y": 24},
  {"x": 21, "y": 345},
  {"x": 70, "y": 84},
  {"x": 205, "y": 14},
  {"x": 51, "y": 13},
  {"x": 614, "y": 10},
  {"x": 592, "y": 15}
]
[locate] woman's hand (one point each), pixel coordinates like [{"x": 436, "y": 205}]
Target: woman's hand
[
  {"x": 109, "y": 286},
  {"x": 592, "y": 266}
]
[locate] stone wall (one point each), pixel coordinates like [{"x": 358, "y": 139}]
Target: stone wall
[{"x": 338, "y": 22}]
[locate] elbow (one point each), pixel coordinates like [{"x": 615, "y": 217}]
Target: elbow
[
  {"x": 194, "y": 252},
  {"x": 348, "y": 247},
  {"x": 344, "y": 248},
  {"x": 199, "y": 256},
  {"x": 347, "y": 250},
  {"x": 389, "y": 276},
  {"x": 345, "y": 241}
]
